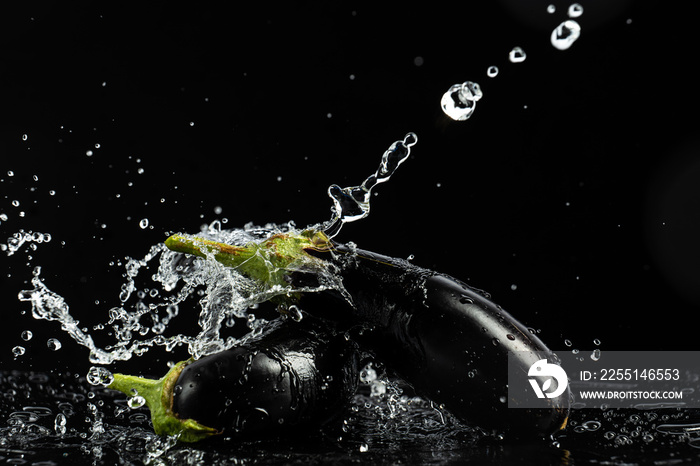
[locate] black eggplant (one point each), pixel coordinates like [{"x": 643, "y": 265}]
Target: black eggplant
[
  {"x": 447, "y": 339},
  {"x": 294, "y": 375}
]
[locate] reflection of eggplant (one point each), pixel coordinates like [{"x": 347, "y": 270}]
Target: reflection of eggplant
[
  {"x": 448, "y": 340},
  {"x": 294, "y": 375}
]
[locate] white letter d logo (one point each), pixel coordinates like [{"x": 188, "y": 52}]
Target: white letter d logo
[{"x": 543, "y": 369}]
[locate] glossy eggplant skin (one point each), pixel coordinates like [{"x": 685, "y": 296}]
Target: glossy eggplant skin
[
  {"x": 448, "y": 340},
  {"x": 297, "y": 374}
]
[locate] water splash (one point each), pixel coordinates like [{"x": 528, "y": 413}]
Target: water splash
[
  {"x": 141, "y": 321},
  {"x": 352, "y": 203},
  {"x": 225, "y": 294},
  {"x": 460, "y": 100}
]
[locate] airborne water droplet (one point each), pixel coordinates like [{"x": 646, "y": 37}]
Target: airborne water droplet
[
  {"x": 18, "y": 351},
  {"x": 460, "y": 100},
  {"x": 564, "y": 35},
  {"x": 517, "y": 55},
  {"x": 143, "y": 224},
  {"x": 492, "y": 71},
  {"x": 53, "y": 344},
  {"x": 27, "y": 335},
  {"x": 575, "y": 10}
]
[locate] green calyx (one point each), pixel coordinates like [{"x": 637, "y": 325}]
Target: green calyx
[
  {"x": 266, "y": 262},
  {"x": 158, "y": 395}
]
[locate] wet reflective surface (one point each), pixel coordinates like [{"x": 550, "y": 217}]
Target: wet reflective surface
[{"x": 49, "y": 419}]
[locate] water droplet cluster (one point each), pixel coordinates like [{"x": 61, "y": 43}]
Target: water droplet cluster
[
  {"x": 569, "y": 30},
  {"x": 22, "y": 238}
]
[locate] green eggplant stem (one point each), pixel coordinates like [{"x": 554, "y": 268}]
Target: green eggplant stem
[
  {"x": 159, "y": 399},
  {"x": 266, "y": 262}
]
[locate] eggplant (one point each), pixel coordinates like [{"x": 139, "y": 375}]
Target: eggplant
[
  {"x": 447, "y": 339},
  {"x": 293, "y": 375}
]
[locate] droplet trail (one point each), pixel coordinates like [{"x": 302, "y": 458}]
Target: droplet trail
[{"x": 352, "y": 203}]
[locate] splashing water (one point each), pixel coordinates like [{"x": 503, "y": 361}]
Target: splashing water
[
  {"x": 225, "y": 295},
  {"x": 352, "y": 203},
  {"x": 20, "y": 238},
  {"x": 460, "y": 100}
]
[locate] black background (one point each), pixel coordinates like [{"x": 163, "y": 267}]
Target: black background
[{"x": 572, "y": 195}]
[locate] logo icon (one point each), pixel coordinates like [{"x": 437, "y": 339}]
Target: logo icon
[{"x": 542, "y": 369}]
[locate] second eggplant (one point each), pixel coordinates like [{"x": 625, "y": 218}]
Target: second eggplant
[{"x": 293, "y": 375}]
